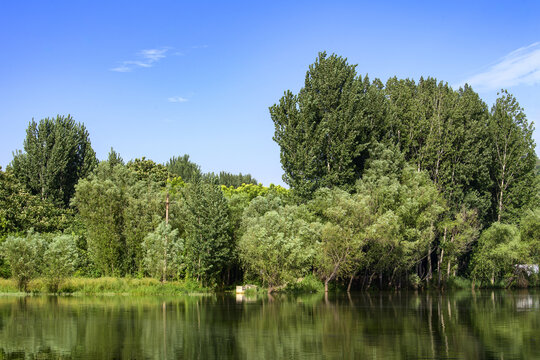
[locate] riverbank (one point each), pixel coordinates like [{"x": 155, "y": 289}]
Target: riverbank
[{"x": 109, "y": 285}]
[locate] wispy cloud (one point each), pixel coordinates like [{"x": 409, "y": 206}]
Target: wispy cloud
[
  {"x": 520, "y": 67},
  {"x": 145, "y": 59},
  {"x": 177, "y": 99},
  {"x": 199, "y": 46}
]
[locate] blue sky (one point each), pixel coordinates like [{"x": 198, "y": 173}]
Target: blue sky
[{"x": 164, "y": 78}]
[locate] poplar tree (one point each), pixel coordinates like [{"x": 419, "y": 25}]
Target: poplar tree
[
  {"x": 208, "y": 243},
  {"x": 513, "y": 156},
  {"x": 57, "y": 153},
  {"x": 325, "y": 130}
]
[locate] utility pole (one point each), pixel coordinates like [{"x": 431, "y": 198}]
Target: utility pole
[{"x": 167, "y": 208}]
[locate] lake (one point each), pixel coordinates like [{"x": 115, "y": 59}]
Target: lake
[{"x": 377, "y": 325}]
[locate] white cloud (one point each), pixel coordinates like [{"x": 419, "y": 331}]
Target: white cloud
[
  {"x": 177, "y": 99},
  {"x": 147, "y": 59},
  {"x": 520, "y": 67}
]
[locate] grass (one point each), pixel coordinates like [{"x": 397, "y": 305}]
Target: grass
[{"x": 109, "y": 285}]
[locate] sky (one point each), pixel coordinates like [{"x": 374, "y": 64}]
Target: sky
[{"x": 166, "y": 78}]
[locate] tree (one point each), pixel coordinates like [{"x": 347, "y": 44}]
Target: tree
[
  {"x": 148, "y": 170},
  {"x": 513, "y": 155},
  {"x": 60, "y": 260},
  {"x": 23, "y": 254},
  {"x": 499, "y": 250},
  {"x": 346, "y": 220},
  {"x": 114, "y": 158},
  {"x": 406, "y": 207},
  {"x": 163, "y": 252},
  {"x": 100, "y": 200},
  {"x": 529, "y": 227},
  {"x": 208, "y": 245},
  {"x": 57, "y": 154},
  {"x": 459, "y": 235},
  {"x": 278, "y": 244},
  {"x": 227, "y": 179},
  {"x": 183, "y": 167},
  {"x": 20, "y": 211},
  {"x": 324, "y": 132},
  {"x": 118, "y": 210}
]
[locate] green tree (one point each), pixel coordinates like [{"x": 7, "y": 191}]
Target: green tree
[
  {"x": 57, "y": 153},
  {"x": 118, "y": 211},
  {"x": 208, "y": 243},
  {"x": 346, "y": 221},
  {"x": 148, "y": 170},
  {"x": 459, "y": 235},
  {"x": 407, "y": 208},
  {"x": 324, "y": 132},
  {"x": 183, "y": 167},
  {"x": 60, "y": 259},
  {"x": 513, "y": 169},
  {"x": 23, "y": 254},
  {"x": 114, "y": 158},
  {"x": 20, "y": 211},
  {"x": 499, "y": 250},
  {"x": 101, "y": 200},
  {"x": 278, "y": 245},
  {"x": 529, "y": 227},
  {"x": 163, "y": 252}
]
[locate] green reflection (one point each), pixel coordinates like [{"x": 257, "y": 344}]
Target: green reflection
[{"x": 389, "y": 325}]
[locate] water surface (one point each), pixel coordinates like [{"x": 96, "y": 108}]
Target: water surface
[{"x": 461, "y": 325}]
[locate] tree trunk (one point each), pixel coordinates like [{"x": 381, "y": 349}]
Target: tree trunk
[{"x": 350, "y": 283}]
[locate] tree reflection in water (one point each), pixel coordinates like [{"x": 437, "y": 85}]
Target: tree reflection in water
[{"x": 379, "y": 325}]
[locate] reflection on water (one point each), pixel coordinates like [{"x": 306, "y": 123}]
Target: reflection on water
[{"x": 464, "y": 325}]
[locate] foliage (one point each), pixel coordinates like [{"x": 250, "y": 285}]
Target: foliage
[
  {"x": 499, "y": 250},
  {"x": 114, "y": 158},
  {"x": 513, "y": 156},
  {"x": 163, "y": 252},
  {"x": 228, "y": 179},
  {"x": 23, "y": 254},
  {"x": 346, "y": 220},
  {"x": 324, "y": 132},
  {"x": 148, "y": 170},
  {"x": 406, "y": 206},
  {"x": 458, "y": 238},
  {"x": 118, "y": 211},
  {"x": 20, "y": 211},
  {"x": 208, "y": 242},
  {"x": 278, "y": 245},
  {"x": 529, "y": 227},
  {"x": 57, "y": 153},
  {"x": 182, "y": 167},
  {"x": 60, "y": 260}
]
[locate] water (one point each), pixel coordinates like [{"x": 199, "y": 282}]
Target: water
[{"x": 462, "y": 325}]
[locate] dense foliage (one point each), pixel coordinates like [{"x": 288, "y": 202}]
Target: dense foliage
[{"x": 396, "y": 184}]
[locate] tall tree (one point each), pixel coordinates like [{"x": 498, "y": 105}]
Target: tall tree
[
  {"x": 324, "y": 131},
  {"x": 57, "y": 153},
  {"x": 185, "y": 168},
  {"x": 208, "y": 245},
  {"x": 513, "y": 156}
]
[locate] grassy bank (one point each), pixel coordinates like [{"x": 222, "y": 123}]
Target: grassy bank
[{"x": 109, "y": 285}]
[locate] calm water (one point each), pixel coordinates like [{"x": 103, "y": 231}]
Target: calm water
[{"x": 463, "y": 325}]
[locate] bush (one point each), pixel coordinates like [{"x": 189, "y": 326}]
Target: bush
[
  {"x": 60, "y": 261},
  {"x": 23, "y": 256},
  {"x": 309, "y": 284}
]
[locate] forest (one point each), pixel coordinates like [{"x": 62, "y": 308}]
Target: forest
[{"x": 403, "y": 184}]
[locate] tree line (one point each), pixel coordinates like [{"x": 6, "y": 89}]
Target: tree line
[{"x": 390, "y": 185}]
